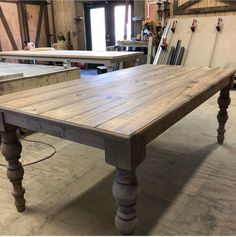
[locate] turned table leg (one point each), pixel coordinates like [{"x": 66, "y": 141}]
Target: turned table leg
[
  {"x": 125, "y": 191},
  {"x": 11, "y": 149},
  {"x": 223, "y": 102}
]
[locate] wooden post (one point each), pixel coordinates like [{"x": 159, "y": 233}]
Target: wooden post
[
  {"x": 40, "y": 21},
  {"x": 21, "y": 24},
  {"x": 125, "y": 191},
  {"x": 47, "y": 29},
  {"x": 150, "y": 49},
  {"x": 222, "y": 117},
  {"x": 8, "y": 30},
  {"x": 11, "y": 149},
  {"x": 25, "y": 22}
]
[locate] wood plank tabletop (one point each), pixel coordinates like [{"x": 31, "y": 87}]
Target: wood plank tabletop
[
  {"x": 9, "y": 75},
  {"x": 28, "y": 70},
  {"x": 130, "y": 102},
  {"x": 16, "y": 77},
  {"x": 72, "y": 54}
]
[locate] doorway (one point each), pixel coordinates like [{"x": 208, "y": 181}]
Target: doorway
[
  {"x": 105, "y": 23},
  {"x": 98, "y": 29}
]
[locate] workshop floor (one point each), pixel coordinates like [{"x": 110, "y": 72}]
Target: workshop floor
[
  {"x": 188, "y": 184},
  {"x": 85, "y": 73}
]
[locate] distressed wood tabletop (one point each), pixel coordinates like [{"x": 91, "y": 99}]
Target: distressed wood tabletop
[
  {"x": 125, "y": 103},
  {"x": 120, "y": 112},
  {"x": 72, "y": 54},
  {"x": 108, "y": 58},
  {"x": 16, "y": 77}
]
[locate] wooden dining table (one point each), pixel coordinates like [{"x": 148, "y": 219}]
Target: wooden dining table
[
  {"x": 107, "y": 58},
  {"x": 120, "y": 112}
]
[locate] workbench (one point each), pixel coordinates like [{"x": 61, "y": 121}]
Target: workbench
[
  {"x": 17, "y": 77},
  {"x": 108, "y": 58},
  {"x": 120, "y": 112}
]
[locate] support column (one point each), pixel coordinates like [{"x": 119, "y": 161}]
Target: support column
[
  {"x": 222, "y": 117},
  {"x": 125, "y": 191},
  {"x": 11, "y": 149}
]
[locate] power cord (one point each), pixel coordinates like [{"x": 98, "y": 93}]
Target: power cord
[{"x": 37, "y": 161}]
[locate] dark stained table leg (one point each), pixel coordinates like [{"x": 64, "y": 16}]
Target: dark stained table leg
[
  {"x": 125, "y": 191},
  {"x": 223, "y": 102},
  {"x": 11, "y": 149}
]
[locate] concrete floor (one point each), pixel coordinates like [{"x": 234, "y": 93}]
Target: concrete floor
[{"x": 188, "y": 184}]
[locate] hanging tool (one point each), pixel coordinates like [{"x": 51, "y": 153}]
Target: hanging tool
[
  {"x": 219, "y": 27},
  {"x": 193, "y": 29},
  {"x": 173, "y": 29},
  {"x": 162, "y": 44},
  {"x": 194, "y": 25}
]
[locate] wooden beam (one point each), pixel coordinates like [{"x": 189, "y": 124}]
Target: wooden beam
[
  {"x": 232, "y": 2},
  {"x": 53, "y": 20},
  {"x": 8, "y": 30},
  {"x": 34, "y": 2},
  {"x": 47, "y": 26},
  {"x": 40, "y": 19},
  {"x": 187, "y": 4},
  {"x": 150, "y": 48},
  {"x": 0, "y": 46},
  {"x": 20, "y": 17},
  {"x": 183, "y": 9},
  {"x": 206, "y": 10},
  {"x": 25, "y": 21},
  {"x": 11, "y": 1},
  {"x": 41, "y": 2}
]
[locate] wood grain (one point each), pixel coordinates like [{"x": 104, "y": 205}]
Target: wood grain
[
  {"x": 11, "y": 15},
  {"x": 126, "y": 102},
  {"x": 129, "y": 108}
]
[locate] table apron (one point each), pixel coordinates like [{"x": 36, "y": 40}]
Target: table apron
[
  {"x": 56, "y": 59},
  {"x": 95, "y": 138},
  {"x": 64, "y": 131}
]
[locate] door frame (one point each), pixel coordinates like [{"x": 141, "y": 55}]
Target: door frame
[{"x": 109, "y": 17}]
